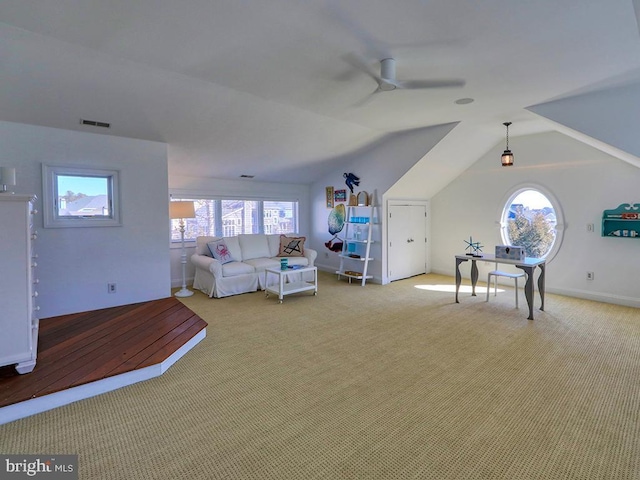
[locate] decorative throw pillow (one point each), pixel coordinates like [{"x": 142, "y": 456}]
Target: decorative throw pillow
[
  {"x": 220, "y": 251},
  {"x": 291, "y": 246}
]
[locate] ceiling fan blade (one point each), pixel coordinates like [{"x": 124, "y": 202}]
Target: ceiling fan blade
[
  {"x": 372, "y": 46},
  {"x": 418, "y": 84},
  {"x": 366, "y": 99},
  {"x": 361, "y": 65}
]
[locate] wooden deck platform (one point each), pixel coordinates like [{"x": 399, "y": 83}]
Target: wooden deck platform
[{"x": 85, "y": 354}]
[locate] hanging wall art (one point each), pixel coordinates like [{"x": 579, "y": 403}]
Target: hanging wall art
[
  {"x": 335, "y": 222},
  {"x": 351, "y": 180},
  {"x": 329, "y": 195},
  {"x": 340, "y": 195}
]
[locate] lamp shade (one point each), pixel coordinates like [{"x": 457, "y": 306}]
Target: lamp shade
[
  {"x": 507, "y": 158},
  {"x": 181, "y": 210},
  {"x": 7, "y": 176}
]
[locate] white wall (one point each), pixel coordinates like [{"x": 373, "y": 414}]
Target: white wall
[
  {"x": 248, "y": 189},
  {"x": 379, "y": 168},
  {"x": 584, "y": 180},
  {"x": 75, "y": 264},
  {"x": 609, "y": 115}
]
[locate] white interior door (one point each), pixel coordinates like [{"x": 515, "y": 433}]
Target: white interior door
[{"x": 407, "y": 235}]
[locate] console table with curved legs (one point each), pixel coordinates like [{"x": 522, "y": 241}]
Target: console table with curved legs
[{"x": 528, "y": 265}]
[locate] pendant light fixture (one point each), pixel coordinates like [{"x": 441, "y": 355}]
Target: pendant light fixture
[{"x": 507, "y": 156}]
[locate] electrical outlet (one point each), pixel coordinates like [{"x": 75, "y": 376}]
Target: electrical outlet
[
  {"x": 590, "y": 275},
  {"x": 590, "y": 227},
  {"x": 111, "y": 288}
]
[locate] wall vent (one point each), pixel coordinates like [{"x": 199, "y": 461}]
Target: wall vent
[
  {"x": 93, "y": 123},
  {"x": 246, "y": 176}
]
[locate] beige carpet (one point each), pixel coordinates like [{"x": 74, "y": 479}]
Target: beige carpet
[{"x": 393, "y": 382}]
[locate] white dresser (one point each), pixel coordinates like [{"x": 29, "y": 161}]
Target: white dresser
[{"x": 18, "y": 320}]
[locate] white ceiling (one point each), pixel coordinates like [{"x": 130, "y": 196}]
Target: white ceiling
[{"x": 263, "y": 87}]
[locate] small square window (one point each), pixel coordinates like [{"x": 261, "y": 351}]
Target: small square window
[{"x": 80, "y": 197}]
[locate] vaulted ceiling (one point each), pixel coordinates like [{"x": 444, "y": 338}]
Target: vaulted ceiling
[{"x": 276, "y": 88}]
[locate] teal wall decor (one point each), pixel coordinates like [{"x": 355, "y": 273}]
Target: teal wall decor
[{"x": 622, "y": 222}]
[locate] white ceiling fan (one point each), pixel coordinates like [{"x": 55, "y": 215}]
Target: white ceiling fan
[{"x": 387, "y": 80}]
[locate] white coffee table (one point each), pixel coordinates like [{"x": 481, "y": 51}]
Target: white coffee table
[{"x": 287, "y": 285}]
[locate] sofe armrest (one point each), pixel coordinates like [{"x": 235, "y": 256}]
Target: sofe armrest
[
  {"x": 311, "y": 255},
  {"x": 207, "y": 263}
]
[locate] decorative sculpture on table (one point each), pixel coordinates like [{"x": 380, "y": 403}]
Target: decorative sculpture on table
[
  {"x": 336, "y": 221},
  {"x": 475, "y": 249}
]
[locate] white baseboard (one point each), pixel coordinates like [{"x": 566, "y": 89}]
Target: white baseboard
[
  {"x": 326, "y": 268},
  {"x": 332, "y": 269},
  {"x": 30, "y": 407},
  {"x": 573, "y": 292},
  {"x": 597, "y": 296},
  {"x": 177, "y": 282}
]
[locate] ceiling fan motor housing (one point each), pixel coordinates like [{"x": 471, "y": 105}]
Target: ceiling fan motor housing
[{"x": 387, "y": 74}]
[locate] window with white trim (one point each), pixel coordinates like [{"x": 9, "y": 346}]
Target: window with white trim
[
  {"x": 230, "y": 217},
  {"x": 532, "y": 218},
  {"x": 80, "y": 197}
]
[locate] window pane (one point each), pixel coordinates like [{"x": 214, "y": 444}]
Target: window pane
[
  {"x": 76, "y": 196},
  {"x": 232, "y": 217},
  {"x": 280, "y": 217},
  {"x": 82, "y": 196},
  {"x": 239, "y": 216},
  {"x": 202, "y": 225},
  {"x": 530, "y": 223}
]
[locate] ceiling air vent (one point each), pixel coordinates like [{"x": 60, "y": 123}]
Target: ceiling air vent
[
  {"x": 93, "y": 123},
  {"x": 246, "y": 176}
]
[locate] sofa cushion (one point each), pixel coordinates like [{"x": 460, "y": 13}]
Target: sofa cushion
[
  {"x": 291, "y": 246},
  {"x": 201, "y": 245},
  {"x": 233, "y": 269},
  {"x": 234, "y": 247},
  {"x": 220, "y": 251},
  {"x": 260, "y": 264},
  {"x": 264, "y": 262},
  {"x": 303, "y": 261},
  {"x": 274, "y": 244},
  {"x": 253, "y": 246}
]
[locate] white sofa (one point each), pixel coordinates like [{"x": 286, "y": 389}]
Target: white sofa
[{"x": 252, "y": 253}]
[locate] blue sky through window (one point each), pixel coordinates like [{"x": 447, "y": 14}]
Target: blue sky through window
[
  {"x": 532, "y": 199},
  {"x": 90, "y": 186}
]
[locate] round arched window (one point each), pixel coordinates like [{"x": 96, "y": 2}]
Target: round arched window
[{"x": 531, "y": 218}]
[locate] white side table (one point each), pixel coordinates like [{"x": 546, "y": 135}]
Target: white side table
[{"x": 284, "y": 287}]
